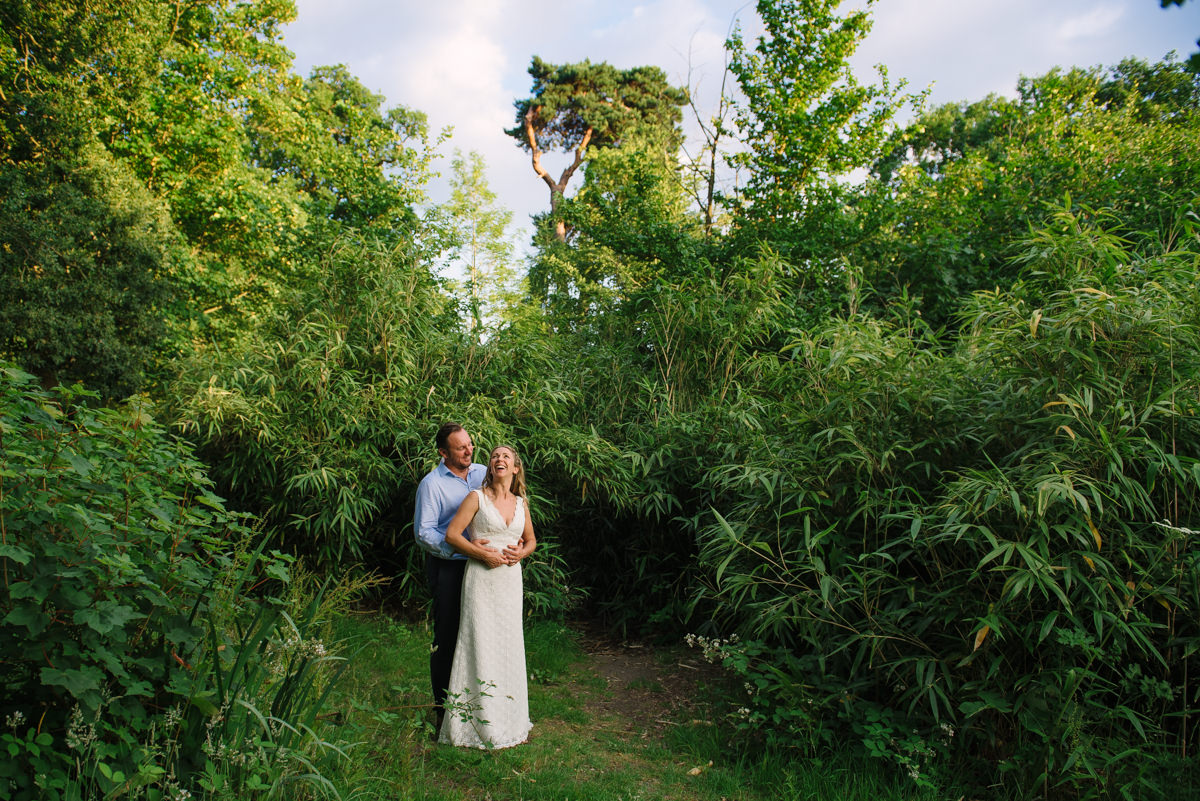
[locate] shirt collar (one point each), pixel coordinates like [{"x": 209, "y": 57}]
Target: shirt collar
[{"x": 447, "y": 473}]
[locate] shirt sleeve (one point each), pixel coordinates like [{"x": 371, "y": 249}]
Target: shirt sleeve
[{"x": 425, "y": 523}]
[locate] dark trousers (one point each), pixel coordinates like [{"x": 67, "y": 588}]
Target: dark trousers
[{"x": 445, "y": 585}]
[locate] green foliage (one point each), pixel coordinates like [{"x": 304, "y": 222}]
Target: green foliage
[
  {"x": 806, "y": 119},
  {"x": 965, "y": 183},
  {"x": 109, "y": 530},
  {"x": 246, "y": 173},
  {"x": 980, "y": 539},
  {"x": 61, "y": 62},
  {"x": 352, "y": 164},
  {"x": 480, "y": 246},
  {"x": 547, "y": 582},
  {"x": 807, "y": 126},
  {"x": 628, "y": 225},
  {"x": 715, "y": 330},
  {"x": 256, "y": 696},
  {"x": 988, "y": 535},
  {"x": 88, "y": 263},
  {"x": 593, "y": 105},
  {"x": 582, "y": 106},
  {"x": 128, "y": 627},
  {"x": 319, "y": 418},
  {"x": 323, "y": 422},
  {"x": 760, "y": 678}
]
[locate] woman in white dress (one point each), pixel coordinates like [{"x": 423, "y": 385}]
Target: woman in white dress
[{"x": 488, "y": 701}]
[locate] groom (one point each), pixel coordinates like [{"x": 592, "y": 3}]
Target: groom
[{"x": 438, "y": 497}]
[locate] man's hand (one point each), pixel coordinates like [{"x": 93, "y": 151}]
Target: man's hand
[{"x": 492, "y": 558}]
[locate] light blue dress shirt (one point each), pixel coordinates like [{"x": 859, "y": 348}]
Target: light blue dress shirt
[{"x": 439, "y": 495}]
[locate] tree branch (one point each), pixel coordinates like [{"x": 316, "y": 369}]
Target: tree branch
[
  {"x": 579, "y": 151},
  {"x": 535, "y": 151}
]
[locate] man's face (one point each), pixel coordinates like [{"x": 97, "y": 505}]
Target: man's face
[{"x": 458, "y": 450}]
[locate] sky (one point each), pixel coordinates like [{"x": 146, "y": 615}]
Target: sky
[{"x": 464, "y": 62}]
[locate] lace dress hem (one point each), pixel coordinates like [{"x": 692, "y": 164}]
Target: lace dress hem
[{"x": 472, "y": 740}]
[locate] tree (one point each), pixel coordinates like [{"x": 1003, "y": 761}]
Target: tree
[
  {"x": 631, "y": 223},
  {"x": 577, "y": 106},
  {"x": 87, "y": 263},
  {"x": 807, "y": 124},
  {"x": 703, "y": 168},
  {"x": 89, "y": 259},
  {"x": 60, "y": 61},
  {"x": 256, "y": 168},
  {"x": 944, "y": 135},
  {"x": 353, "y": 163},
  {"x": 964, "y": 182},
  {"x": 805, "y": 119},
  {"x": 188, "y": 139},
  {"x": 481, "y": 244}
]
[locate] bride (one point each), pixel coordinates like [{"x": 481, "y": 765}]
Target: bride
[{"x": 488, "y": 702}]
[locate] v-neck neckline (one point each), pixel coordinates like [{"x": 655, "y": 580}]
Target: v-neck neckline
[{"x": 500, "y": 514}]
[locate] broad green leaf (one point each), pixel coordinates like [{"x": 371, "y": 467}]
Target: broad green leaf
[
  {"x": 77, "y": 681},
  {"x": 16, "y": 553}
]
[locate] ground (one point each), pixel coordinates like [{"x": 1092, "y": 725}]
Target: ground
[{"x": 648, "y": 687}]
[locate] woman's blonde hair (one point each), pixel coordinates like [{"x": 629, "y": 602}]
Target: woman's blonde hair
[{"x": 518, "y": 481}]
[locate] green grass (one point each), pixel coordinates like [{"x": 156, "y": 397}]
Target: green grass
[{"x": 577, "y": 751}]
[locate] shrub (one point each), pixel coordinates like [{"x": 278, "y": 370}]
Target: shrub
[
  {"x": 996, "y": 538},
  {"x": 136, "y": 626}
]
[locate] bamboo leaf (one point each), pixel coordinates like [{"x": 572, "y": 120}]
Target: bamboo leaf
[
  {"x": 980, "y": 636},
  {"x": 1095, "y": 535}
]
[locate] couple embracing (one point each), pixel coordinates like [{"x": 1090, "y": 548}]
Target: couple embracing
[{"x": 472, "y": 523}]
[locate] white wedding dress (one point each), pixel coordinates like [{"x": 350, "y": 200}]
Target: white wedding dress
[{"x": 488, "y": 702}]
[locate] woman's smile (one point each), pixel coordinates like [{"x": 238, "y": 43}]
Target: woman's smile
[{"x": 501, "y": 461}]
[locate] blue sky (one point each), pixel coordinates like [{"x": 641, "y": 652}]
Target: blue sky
[{"x": 463, "y": 62}]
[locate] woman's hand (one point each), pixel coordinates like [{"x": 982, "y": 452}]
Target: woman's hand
[
  {"x": 493, "y": 558},
  {"x": 513, "y": 553}
]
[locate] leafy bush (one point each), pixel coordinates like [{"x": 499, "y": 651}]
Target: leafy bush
[
  {"x": 978, "y": 177},
  {"x": 323, "y": 421},
  {"x": 321, "y": 414},
  {"x": 996, "y": 539},
  {"x": 87, "y": 271},
  {"x": 132, "y": 636}
]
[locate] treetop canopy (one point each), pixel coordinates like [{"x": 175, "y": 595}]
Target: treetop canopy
[{"x": 570, "y": 100}]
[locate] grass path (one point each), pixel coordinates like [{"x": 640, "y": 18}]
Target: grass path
[{"x": 612, "y": 722}]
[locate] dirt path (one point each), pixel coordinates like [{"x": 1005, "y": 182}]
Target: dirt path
[{"x": 647, "y": 687}]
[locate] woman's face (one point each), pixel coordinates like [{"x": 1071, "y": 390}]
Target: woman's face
[{"x": 504, "y": 462}]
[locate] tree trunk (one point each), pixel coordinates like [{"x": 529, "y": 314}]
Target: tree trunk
[{"x": 559, "y": 187}]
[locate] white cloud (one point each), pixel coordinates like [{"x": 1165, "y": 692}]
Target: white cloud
[
  {"x": 1097, "y": 22},
  {"x": 457, "y": 73}
]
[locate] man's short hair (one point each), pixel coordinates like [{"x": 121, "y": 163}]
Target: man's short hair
[{"x": 443, "y": 435}]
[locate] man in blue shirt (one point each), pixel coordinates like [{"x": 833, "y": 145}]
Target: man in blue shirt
[{"x": 439, "y": 495}]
